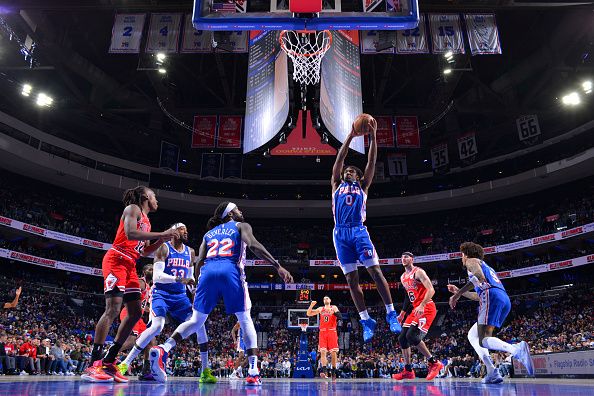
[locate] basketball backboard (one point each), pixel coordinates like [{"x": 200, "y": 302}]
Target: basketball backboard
[
  {"x": 232, "y": 15},
  {"x": 295, "y": 316}
]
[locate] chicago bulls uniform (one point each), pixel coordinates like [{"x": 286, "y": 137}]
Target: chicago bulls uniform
[
  {"x": 328, "y": 340},
  {"x": 119, "y": 263},
  {"x": 145, "y": 300},
  {"x": 416, "y": 293}
]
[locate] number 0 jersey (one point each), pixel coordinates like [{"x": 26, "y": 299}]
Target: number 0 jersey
[
  {"x": 349, "y": 204},
  {"x": 224, "y": 243},
  {"x": 415, "y": 289},
  {"x": 128, "y": 248}
]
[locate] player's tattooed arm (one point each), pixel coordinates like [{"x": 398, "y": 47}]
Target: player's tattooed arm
[
  {"x": 470, "y": 295},
  {"x": 14, "y": 302},
  {"x": 466, "y": 288},
  {"x": 371, "y": 158},
  {"x": 473, "y": 265},
  {"x": 339, "y": 162}
]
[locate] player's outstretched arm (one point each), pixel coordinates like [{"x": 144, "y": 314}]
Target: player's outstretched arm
[
  {"x": 371, "y": 158},
  {"x": 454, "y": 299},
  {"x": 339, "y": 163},
  {"x": 14, "y": 302},
  {"x": 130, "y": 217},
  {"x": 259, "y": 250},
  {"x": 470, "y": 295},
  {"x": 311, "y": 311}
]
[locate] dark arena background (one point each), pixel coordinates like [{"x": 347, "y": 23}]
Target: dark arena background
[{"x": 229, "y": 112}]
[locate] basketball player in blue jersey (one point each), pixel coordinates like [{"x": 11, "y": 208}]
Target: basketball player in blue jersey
[
  {"x": 494, "y": 306},
  {"x": 351, "y": 239},
  {"x": 222, "y": 253},
  {"x": 239, "y": 344}
]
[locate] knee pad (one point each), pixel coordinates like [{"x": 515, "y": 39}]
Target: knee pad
[
  {"x": 402, "y": 338},
  {"x": 414, "y": 336}
]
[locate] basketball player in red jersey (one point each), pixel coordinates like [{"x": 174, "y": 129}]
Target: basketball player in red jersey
[
  {"x": 120, "y": 280},
  {"x": 416, "y": 324},
  {"x": 328, "y": 338}
]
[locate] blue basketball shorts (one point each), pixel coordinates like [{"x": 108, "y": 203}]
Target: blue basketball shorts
[
  {"x": 494, "y": 306},
  {"x": 353, "y": 245},
  {"x": 177, "y": 306},
  {"x": 222, "y": 279}
]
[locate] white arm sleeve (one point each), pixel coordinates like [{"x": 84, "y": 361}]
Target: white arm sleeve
[{"x": 159, "y": 276}]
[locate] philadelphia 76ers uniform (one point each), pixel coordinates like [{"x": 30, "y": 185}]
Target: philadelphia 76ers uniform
[
  {"x": 351, "y": 239},
  {"x": 171, "y": 298},
  {"x": 222, "y": 274},
  {"x": 494, "y": 304}
]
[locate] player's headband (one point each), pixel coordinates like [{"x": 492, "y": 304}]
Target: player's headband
[
  {"x": 178, "y": 225},
  {"x": 408, "y": 254},
  {"x": 228, "y": 209}
]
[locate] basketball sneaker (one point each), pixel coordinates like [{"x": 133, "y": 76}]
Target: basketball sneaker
[
  {"x": 392, "y": 319},
  {"x": 323, "y": 375},
  {"x": 234, "y": 376},
  {"x": 123, "y": 367},
  {"x": 206, "y": 377},
  {"x": 404, "y": 374},
  {"x": 493, "y": 378},
  {"x": 253, "y": 380},
  {"x": 148, "y": 376},
  {"x": 95, "y": 373},
  {"x": 111, "y": 369},
  {"x": 523, "y": 355},
  {"x": 433, "y": 370},
  {"x": 368, "y": 329},
  {"x": 158, "y": 362}
]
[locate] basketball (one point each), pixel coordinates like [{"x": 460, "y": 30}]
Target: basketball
[{"x": 361, "y": 124}]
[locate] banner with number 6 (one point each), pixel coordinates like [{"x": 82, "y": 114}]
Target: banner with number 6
[
  {"x": 446, "y": 33},
  {"x": 163, "y": 33},
  {"x": 528, "y": 127},
  {"x": 127, "y": 33},
  {"x": 439, "y": 156},
  {"x": 467, "y": 146}
]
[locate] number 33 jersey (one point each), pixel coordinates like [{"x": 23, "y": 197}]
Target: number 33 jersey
[{"x": 177, "y": 264}]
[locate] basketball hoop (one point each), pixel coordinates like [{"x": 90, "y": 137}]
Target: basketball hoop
[
  {"x": 306, "y": 48},
  {"x": 303, "y": 327}
]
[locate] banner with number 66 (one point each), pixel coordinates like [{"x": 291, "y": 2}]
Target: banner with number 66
[
  {"x": 439, "y": 156},
  {"x": 528, "y": 127},
  {"x": 163, "y": 33}
]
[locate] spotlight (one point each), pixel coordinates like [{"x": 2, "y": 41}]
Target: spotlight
[
  {"x": 27, "y": 88},
  {"x": 324, "y": 138},
  {"x": 283, "y": 138},
  {"x": 571, "y": 99},
  {"x": 448, "y": 54},
  {"x": 161, "y": 57},
  {"x": 587, "y": 85},
  {"x": 447, "y": 71},
  {"x": 318, "y": 159},
  {"x": 162, "y": 71},
  {"x": 44, "y": 100},
  {"x": 266, "y": 153}
]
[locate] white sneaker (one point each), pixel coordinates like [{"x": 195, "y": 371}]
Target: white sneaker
[
  {"x": 523, "y": 355},
  {"x": 233, "y": 376},
  {"x": 23, "y": 373}
]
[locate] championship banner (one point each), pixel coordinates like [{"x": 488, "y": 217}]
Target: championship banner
[
  {"x": 211, "y": 165},
  {"x": 232, "y": 166},
  {"x": 229, "y": 135},
  {"x": 169, "y": 157},
  {"x": 407, "y": 132},
  {"x": 384, "y": 133},
  {"x": 482, "y": 33},
  {"x": 195, "y": 41},
  {"x": 528, "y": 127},
  {"x": 446, "y": 33},
  {"x": 127, "y": 33},
  {"x": 235, "y": 42},
  {"x": 163, "y": 35},
  {"x": 204, "y": 131},
  {"x": 439, "y": 156},
  {"x": 397, "y": 164},
  {"x": 413, "y": 41},
  {"x": 467, "y": 146},
  {"x": 369, "y": 43}
]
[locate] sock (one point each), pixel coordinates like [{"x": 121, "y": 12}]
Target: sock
[
  {"x": 132, "y": 355},
  {"x": 169, "y": 344},
  {"x": 483, "y": 353},
  {"x": 408, "y": 367},
  {"x": 253, "y": 365},
  {"x": 496, "y": 344},
  {"x": 204, "y": 359},
  {"x": 364, "y": 315},
  {"x": 389, "y": 308},
  {"x": 112, "y": 352},
  {"x": 432, "y": 360},
  {"x": 146, "y": 366},
  {"x": 96, "y": 353}
]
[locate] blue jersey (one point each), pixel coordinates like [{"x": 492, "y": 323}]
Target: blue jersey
[
  {"x": 177, "y": 264},
  {"x": 224, "y": 243},
  {"x": 491, "y": 279},
  {"x": 349, "y": 205}
]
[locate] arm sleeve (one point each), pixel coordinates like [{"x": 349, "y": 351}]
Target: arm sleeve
[
  {"x": 159, "y": 276},
  {"x": 338, "y": 315}
]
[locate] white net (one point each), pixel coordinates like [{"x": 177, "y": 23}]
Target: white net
[{"x": 306, "y": 49}]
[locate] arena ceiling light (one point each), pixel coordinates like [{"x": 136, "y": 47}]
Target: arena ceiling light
[
  {"x": 587, "y": 86},
  {"x": 449, "y": 56},
  {"x": 447, "y": 71},
  {"x": 571, "y": 99},
  {"x": 161, "y": 57},
  {"x": 44, "y": 100},
  {"x": 162, "y": 70},
  {"x": 27, "y": 88}
]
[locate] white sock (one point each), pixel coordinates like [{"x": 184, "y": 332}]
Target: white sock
[
  {"x": 496, "y": 344},
  {"x": 389, "y": 308},
  {"x": 364, "y": 315},
  {"x": 483, "y": 353},
  {"x": 134, "y": 352},
  {"x": 204, "y": 359},
  {"x": 169, "y": 344},
  {"x": 253, "y": 365}
]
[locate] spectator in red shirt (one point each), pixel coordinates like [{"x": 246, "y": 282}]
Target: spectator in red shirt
[{"x": 26, "y": 357}]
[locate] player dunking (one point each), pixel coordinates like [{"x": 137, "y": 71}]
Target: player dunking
[
  {"x": 173, "y": 270},
  {"x": 416, "y": 324},
  {"x": 494, "y": 306},
  {"x": 222, "y": 275},
  {"x": 120, "y": 280},
  {"x": 328, "y": 337},
  {"x": 239, "y": 344},
  {"x": 351, "y": 238}
]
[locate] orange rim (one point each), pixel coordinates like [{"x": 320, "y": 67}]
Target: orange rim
[{"x": 296, "y": 54}]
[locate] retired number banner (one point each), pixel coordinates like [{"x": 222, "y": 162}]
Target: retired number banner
[
  {"x": 483, "y": 35},
  {"x": 205, "y": 128},
  {"x": 407, "y": 132},
  {"x": 229, "y": 132},
  {"x": 446, "y": 33},
  {"x": 528, "y": 127},
  {"x": 127, "y": 33},
  {"x": 413, "y": 41},
  {"x": 467, "y": 146},
  {"x": 195, "y": 41},
  {"x": 439, "y": 156},
  {"x": 163, "y": 33},
  {"x": 369, "y": 41},
  {"x": 397, "y": 164}
]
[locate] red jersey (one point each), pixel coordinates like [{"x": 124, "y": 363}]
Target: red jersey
[
  {"x": 126, "y": 247},
  {"x": 414, "y": 289},
  {"x": 327, "y": 320}
]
